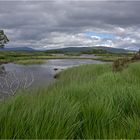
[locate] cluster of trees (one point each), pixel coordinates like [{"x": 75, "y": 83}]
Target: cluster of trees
[
  {"x": 95, "y": 51},
  {"x": 3, "y": 39}
]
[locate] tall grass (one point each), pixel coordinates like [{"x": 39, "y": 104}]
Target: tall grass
[{"x": 87, "y": 101}]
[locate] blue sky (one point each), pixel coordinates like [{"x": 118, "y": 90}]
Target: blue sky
[{"x": 101, "y": 35}]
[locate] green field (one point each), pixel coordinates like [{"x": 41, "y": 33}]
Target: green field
[{"x": 88, "y": 101}]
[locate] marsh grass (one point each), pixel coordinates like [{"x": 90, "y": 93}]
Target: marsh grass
[
  {"x": 30, "y": 61},
  {"x": 35, "y": 57},
  {"x": 88, "y": 101}
]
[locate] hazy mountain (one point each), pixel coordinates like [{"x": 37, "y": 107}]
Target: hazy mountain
[
  {"x": 109, "y": 49},
  {"x": 69, "y": 49},
  {"x": 17, "y": 49}
]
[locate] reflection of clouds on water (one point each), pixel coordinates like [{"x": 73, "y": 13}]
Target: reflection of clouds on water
[
  {"x": 11, "y": 82},
  {"x": 39, "y": 75},
  {"x": 66, "y": 63}
]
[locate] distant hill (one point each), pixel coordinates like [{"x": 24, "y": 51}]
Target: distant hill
[
  {"x": 79, "y": 49},
  {"x": 74, "y": 49},
  {"x": 17, "y": 49},
  {"x": 114, "y": 50},
  {"x": 69, "y": 49}
]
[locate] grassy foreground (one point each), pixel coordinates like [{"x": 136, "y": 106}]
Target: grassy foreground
[{"x": 86, "y": 102}]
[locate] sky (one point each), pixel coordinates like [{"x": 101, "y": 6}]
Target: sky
[{"x": 50, "y": 24}]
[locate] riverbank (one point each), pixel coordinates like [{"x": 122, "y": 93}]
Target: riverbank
[
  {"x": 88, "y": 101},
  {"x": 39, "y": 57}
]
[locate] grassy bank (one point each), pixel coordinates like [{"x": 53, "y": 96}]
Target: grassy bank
[
  {"x": 86, "y": 102},
  {"x": 39, "y": 57},
  {"x": 112, "y": 57},
  {"x": 30, "y": 61}
]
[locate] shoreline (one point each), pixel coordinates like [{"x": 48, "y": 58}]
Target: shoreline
[{"x": 39, "y": 61}]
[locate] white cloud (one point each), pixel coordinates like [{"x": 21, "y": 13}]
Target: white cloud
[{"x": 61, "y": 23}]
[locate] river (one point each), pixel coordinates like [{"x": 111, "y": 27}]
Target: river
[{"x": 37, "y": 75}]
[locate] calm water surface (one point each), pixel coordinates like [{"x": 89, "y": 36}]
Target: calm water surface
[{"x": 44, "y": 73}]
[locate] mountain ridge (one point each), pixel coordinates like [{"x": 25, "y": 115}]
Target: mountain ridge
[
  {"x": 69, "y": 49},
  {"x": 79, "y": 49}
]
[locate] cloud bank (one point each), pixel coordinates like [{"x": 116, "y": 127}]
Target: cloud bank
[{"x": 65, "y": 23}]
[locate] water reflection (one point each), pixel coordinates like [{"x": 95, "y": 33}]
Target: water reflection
[
  {"x": 2, "y": 69},
  {"x": 12, "y": 81},
  {"x": 14, "y": 76}
]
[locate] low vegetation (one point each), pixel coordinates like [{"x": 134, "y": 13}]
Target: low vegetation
[
  {"x": 109, "y": 58},
  {"x": 123, "y": 62},
  {"x": 95, "y": 51},
  {"x": 30, "y": 61},
  {"x": 90, "y": 101},
  {"x": 72, "y": 53},
  {"x": 11, "y": 56},
  {"x": 38, "y": 57},
  {"x": 113, "y": 56}
]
